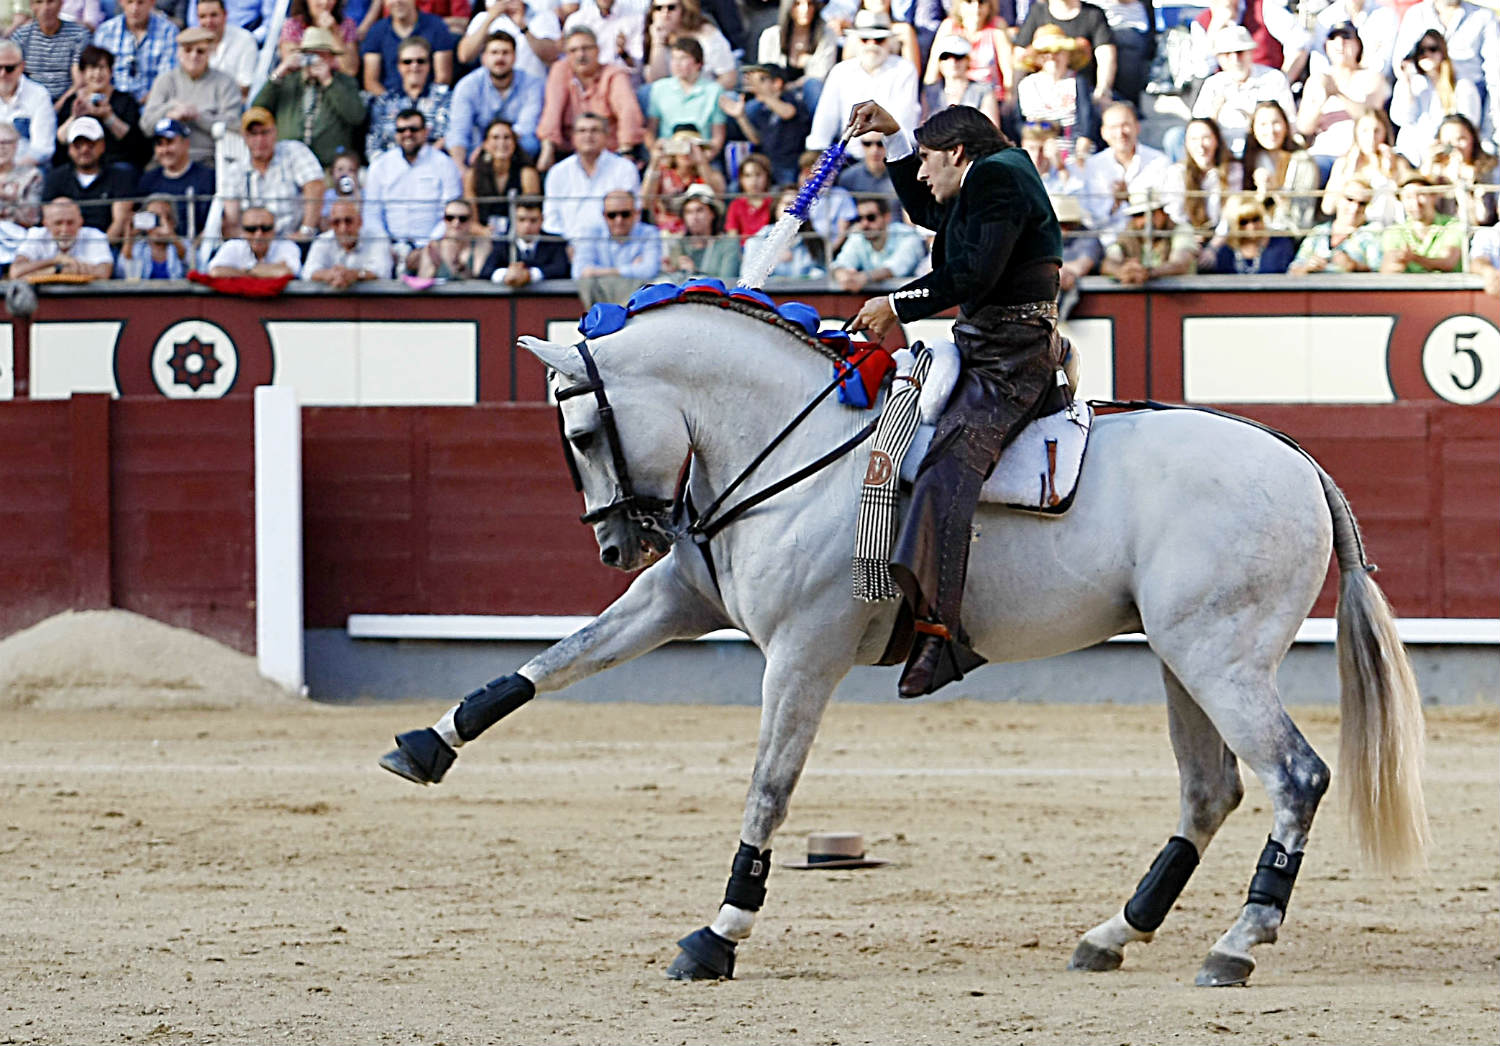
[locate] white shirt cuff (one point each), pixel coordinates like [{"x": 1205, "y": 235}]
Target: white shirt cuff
[
  {"x": 537, "y": 275},
  {"x": 890, "y": 299},
  {"x": 899, "y": 146}
]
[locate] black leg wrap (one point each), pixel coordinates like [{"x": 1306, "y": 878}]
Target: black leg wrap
[
  {"x": 491, "y": 703},
  {"x": 1275, "y": 874},
  {"x": 1162, "y": 883},
  {"x": 747, "y": 878}
]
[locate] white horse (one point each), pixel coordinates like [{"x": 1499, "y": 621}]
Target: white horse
[{"x": 1208, "y": 534}]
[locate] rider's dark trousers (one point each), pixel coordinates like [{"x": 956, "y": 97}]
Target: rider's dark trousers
[{"x": 1008, "y": 369}]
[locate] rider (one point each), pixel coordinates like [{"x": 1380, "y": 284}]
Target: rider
[{"x": 996, "y": 257}]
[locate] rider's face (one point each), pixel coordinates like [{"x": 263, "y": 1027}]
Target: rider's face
[{"x": 941, "y": 171}]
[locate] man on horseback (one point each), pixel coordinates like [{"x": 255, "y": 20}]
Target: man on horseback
[{"x": 996, "y": 257}]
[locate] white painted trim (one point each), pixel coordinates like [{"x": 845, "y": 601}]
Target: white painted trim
[
  {"x": 1485, "y": 631},
  {"x": 278, "y": 536}
]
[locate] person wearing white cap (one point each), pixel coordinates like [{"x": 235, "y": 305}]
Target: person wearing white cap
[
  {"x": 1231, "y": 95},
  {"x": 27, "y": 105},
  {"x": 874, "y": 74},
  {"x": 103, "y": 192},
  {"x": 951, "y": 56}
]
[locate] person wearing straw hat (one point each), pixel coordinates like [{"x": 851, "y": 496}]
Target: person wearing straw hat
[
  {"x": 997, "y": 255},
  {"x": 314, "y": 103},
  {"x": 1057, "y": 93},
  {"x": 1231, "y": 95},
  {"x": 194, "y": 94},
  {"x": 1150, "y": 246}
]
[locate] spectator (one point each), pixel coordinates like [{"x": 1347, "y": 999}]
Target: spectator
[
  {"x": 20, "y": 185},
  {"x": 1470, "y": 35},
  {"x": 283, "y": 177},
  {"x": 119, "y": 113},
  {"x": 869, "y": 177},
  {"x": 382, "y": 67},
  {"x": 407, "y": 185},
  {"x": 669, "y": 21},
  {"x": 313, "y": 102},
  {"x": 499, "y": 170},
  {"x": 1426, "y": 241},
  {"x": 234, "y": 49},
  {"x": 1194, "y": 189},
  {"x": 527, "y": 255},
  {"x": 1083, "y": 22},
  {"x": 26, "y": 104},
  {"x": 1062, "y": 173},
  {"x": 953, "y": 86},
  {"x": 1456, "y": 159},
  {"x": 903, "y": 40},
  {"x": 1057, "y": 94},
  {"x": 178, "y": 176},
  {"x": 612, "y": 260},
  {"x": 87, "y": 13},
  {"x": 677, "y": 164},
  {"x": 496, "y": 89},
  {"x": 341, "y": 257},
  {"x": 1277, "y": 167},
  {"x": 535, "y": 35},
  {"x": 576, "y": 187},
  {"x": 686, "y": 98},
  {"x": 343, "y": 184},
  {"x": 796, "y": 262},
  {"x": 1249, "y": 248},
  {"x": 1280, "y": 41},
  {"x": 103, "y": 193},
  {"x": 702, "y": 249},
  {"x": 805, "y": 45},
  {"x": 750, "y": 212},
  {"x": 978, "y": 24},
  {"x": 1347, "y": 243},
  {"x": 51, "y": 47},
  {"x": 144, "y": 45},
  {"x": 63, "y": 244},
  {"x": 831, "y": 214},
  {"x": 1375, "y": 23},
  {"x": 773, "y": 119},
  {"x": 1484, "y": 258},
  {"x": 1428, "y": 88},
  {"x": 1371, "y": 160},
  {"x": 1229, "y": 96},
  {"x": 879, "y": 250},
  {"x": 418, "y": 91},
  {"x": 196, "y": 95},
  {"x": 1150, "y": 246},
  {"x": 617, "y": 25},
  {"x": 260, "y": 252},
  {"x": 874, "y": 74},
  {"x": 155, "y": 250},
  {"x": 1333, "y": 99},
  {"x": 459, "y": 253},
  {"x": 242, "y": 14},
  {"x": 1124, "y": 167},
  {"x": 582, "y": 84},
  {"x": 1131, "y": 26},
  {"x": 327, "y": 15}
]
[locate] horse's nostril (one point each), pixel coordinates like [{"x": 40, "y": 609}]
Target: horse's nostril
[{"x": 610, "y": 555}]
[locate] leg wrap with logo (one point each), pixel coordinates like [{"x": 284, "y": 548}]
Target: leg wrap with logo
[
  {"x": 1160, "y": 886},
  {"x": 1275, "y": 875},
  {"x": 704, "y": 953},
  {"x": 747, "y": 878},
  {"x": 491, "y": 703}
]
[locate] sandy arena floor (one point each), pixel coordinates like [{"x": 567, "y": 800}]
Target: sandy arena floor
[{"x": 250, "y": 875}]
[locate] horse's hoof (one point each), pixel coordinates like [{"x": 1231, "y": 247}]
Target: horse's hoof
[
  {"x": 1094, "y": 959},
  {"x": 705, "y": 956},
  {"x": 420, "y": 756},
  {"x": 1221, "y": 970}
]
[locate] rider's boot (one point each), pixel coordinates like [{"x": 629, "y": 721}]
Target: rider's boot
[{"x": 937, "y": 659}]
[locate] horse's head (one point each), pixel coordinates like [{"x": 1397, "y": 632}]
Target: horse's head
[{"x": 625, "y": 447}]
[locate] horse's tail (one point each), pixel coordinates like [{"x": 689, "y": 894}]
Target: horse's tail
[{"x": 1380, "y": 709}]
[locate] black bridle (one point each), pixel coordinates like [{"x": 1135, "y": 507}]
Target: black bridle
[{"x": 656, "y": 516}]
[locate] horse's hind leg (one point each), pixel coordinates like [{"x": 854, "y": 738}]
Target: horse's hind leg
[{"x": 1210, "y": 790}]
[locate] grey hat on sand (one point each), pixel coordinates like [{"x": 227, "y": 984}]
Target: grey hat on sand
[{"x": 834, "y": 850}]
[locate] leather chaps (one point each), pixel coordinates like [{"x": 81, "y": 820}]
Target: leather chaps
[{"x": 1008, "y": 370}]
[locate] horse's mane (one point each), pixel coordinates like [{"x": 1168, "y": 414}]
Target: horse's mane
[{"x": 834, "y": 350}]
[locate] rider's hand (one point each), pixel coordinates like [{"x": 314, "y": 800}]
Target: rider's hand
[
  {"x": 869, "y": 116},
  {"x": 875, "y": 318}
]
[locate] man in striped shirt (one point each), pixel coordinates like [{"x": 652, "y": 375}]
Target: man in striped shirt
[{"x": 51, "y": 46}]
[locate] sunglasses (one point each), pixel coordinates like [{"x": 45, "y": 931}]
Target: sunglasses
[
  {"x": 258, "y": 228},
  {"x": 663, "y": 7},
  {"x": 410, "y": 130},
  {"x": 1424, "y": 49},
  {"x": 873, "y": 216},
  {"x": 413, "y": 61},
  {"x": 455, "y": 217},
  {"x": 618, "y": 215},
  {"x": 9, "y": 67}
]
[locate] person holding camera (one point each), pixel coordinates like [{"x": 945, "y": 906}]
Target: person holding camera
[
  {"x": 155, "y": 250},
  {"x": 194, "y": 94},
  {"x": 313, "y": 102},
  {"x": 117, "y": 111}
]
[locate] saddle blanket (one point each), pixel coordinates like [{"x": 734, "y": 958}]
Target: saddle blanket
[{"x": 1038, "y": 472}]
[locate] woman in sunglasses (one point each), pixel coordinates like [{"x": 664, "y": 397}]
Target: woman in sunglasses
[
  {"x": 1426, "y": 91},
  {"x": 1251, "y": 246},
  {"x": 460, "y": 252},
  {"x": 666, "y": 19}
]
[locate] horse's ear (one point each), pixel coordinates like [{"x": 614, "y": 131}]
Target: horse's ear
[{"x": 562, "y": 358}]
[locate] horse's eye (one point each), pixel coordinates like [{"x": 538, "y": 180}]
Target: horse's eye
[{"x": 582, "y": 442}]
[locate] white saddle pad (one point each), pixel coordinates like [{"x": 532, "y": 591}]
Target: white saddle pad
[{"x": 1038, "y": 472}]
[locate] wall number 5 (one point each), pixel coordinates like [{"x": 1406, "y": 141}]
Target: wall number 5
[{"x": 1461, "y": 359}]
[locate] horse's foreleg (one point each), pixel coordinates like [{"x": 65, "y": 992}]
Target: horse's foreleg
[
  {"x": 794, "y": 697},
  {"x": 1210, "y": 790},
  {"x": 657, "y": 608}
]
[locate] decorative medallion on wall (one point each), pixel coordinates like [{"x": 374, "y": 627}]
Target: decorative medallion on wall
[{"x": 194, "y": 359}]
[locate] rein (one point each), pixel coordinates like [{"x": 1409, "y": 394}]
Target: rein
[{"x": 656, "y": 515}]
